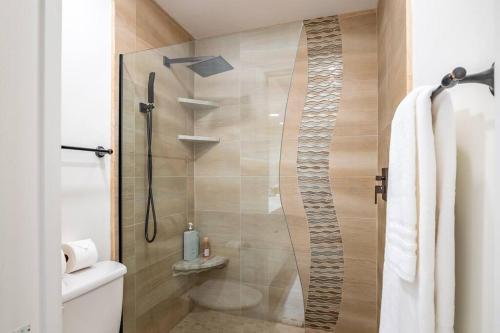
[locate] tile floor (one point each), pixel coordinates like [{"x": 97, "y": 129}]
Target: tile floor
[{"x": 218, "y": 322}]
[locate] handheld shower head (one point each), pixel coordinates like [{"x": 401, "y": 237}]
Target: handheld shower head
[
  {"x": 143, "y": 107},
  {"x": 151, "y": 88}
]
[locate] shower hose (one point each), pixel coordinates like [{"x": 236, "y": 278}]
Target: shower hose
[{"x": 151, "y": 200}]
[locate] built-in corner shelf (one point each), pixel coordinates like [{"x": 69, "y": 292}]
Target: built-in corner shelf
[
  {"x": 197, "y": 104},
  {"x": 197, "y": 138},
  {"x": 198, "y": 265}
]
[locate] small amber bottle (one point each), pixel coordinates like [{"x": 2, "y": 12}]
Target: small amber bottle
[{"x": 205, "y": 248}]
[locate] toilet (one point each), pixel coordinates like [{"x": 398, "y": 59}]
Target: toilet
[{"x": 92, "y": 298}]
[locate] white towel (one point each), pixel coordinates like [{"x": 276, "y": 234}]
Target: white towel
[
  {"x": 426, "y": 194},
  {"x": 401, "y": 228},
  {"x": 446, "y": 159},
  {"x": 408, "y": 283}
]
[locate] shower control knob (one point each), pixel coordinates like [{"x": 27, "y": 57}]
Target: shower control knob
[
  {"x": 379, "y": 189},
  {"x": 382, "y": 189}
]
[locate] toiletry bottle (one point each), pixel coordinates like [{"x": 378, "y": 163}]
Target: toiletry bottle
[
  {"x": 191, "y": 243},
  {"x": 205, "y": 248}
]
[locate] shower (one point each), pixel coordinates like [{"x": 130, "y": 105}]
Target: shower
[
  {"x": 204, "y": 150},
  {"x": 204, "y": 66},
  {"x": 266, "y": 141}
]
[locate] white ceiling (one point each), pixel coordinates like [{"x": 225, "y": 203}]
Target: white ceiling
[{"x": 206, "y": 18}]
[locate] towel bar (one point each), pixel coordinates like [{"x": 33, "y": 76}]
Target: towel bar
[
  {"x": 459, "y": 76},
  {"x": 99, "y": 151}
]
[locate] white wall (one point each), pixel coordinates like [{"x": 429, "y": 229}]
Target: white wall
[
  {"x": 497, "y": 195},
  {"x": 86, "y": 120},
  {"x": 29, "y": 165},
  {"x": 446, "y": 34}
]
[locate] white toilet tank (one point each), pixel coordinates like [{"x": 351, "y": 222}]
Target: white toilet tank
[{"x": 92, "y": 298}]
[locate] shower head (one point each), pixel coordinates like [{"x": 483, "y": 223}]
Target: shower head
[
  {"x": 203, "y": 66},
  {"x": 151, "y": 88},
  {"x": 143, "y": 107},
  {"x": 211, "y": 66}
]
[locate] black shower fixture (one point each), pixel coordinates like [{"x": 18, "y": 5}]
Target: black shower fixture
[
  {"x": 147, "y": 109},
  {"x": 203, "y": 66}
]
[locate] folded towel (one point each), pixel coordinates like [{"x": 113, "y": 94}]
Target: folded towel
[
  {"x": 426, "y": 194},
  {"x": 401, "y": 227},
  {"x": 408, "y": 283},
  {"x": 446, "y": 160},
  {"x": 80, "y": 254}
]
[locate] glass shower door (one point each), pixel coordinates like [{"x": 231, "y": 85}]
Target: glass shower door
[{"x": 222, "y": 175}]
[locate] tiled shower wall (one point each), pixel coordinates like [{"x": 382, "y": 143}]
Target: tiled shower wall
[
  {"x": 352, "y": 154},
  {"x": 138, "y": 25}
]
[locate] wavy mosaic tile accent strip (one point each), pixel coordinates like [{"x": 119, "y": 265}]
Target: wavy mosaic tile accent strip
[{"x": 324, "y": 45}]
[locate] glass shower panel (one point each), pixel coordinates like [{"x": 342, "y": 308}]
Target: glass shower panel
[
  {"x": 229, "y": 189},
  {"x": 152, "y": 296},
  {"x": 267, "y": 259}
]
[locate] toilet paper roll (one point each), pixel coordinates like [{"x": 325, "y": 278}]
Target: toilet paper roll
[
  {"x": 80, "y": 254},
  {"x": 63, "y": 263}
]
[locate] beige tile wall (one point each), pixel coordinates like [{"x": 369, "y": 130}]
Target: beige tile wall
[
  {"x": 142, "y": 25},
  {"x": 353, "y": 168},
  {"x": 394, "y": 83},
  {"x": 353, "y": 165}
]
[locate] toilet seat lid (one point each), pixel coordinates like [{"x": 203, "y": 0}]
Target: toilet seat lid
[{"x": 81, "y": 282}]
